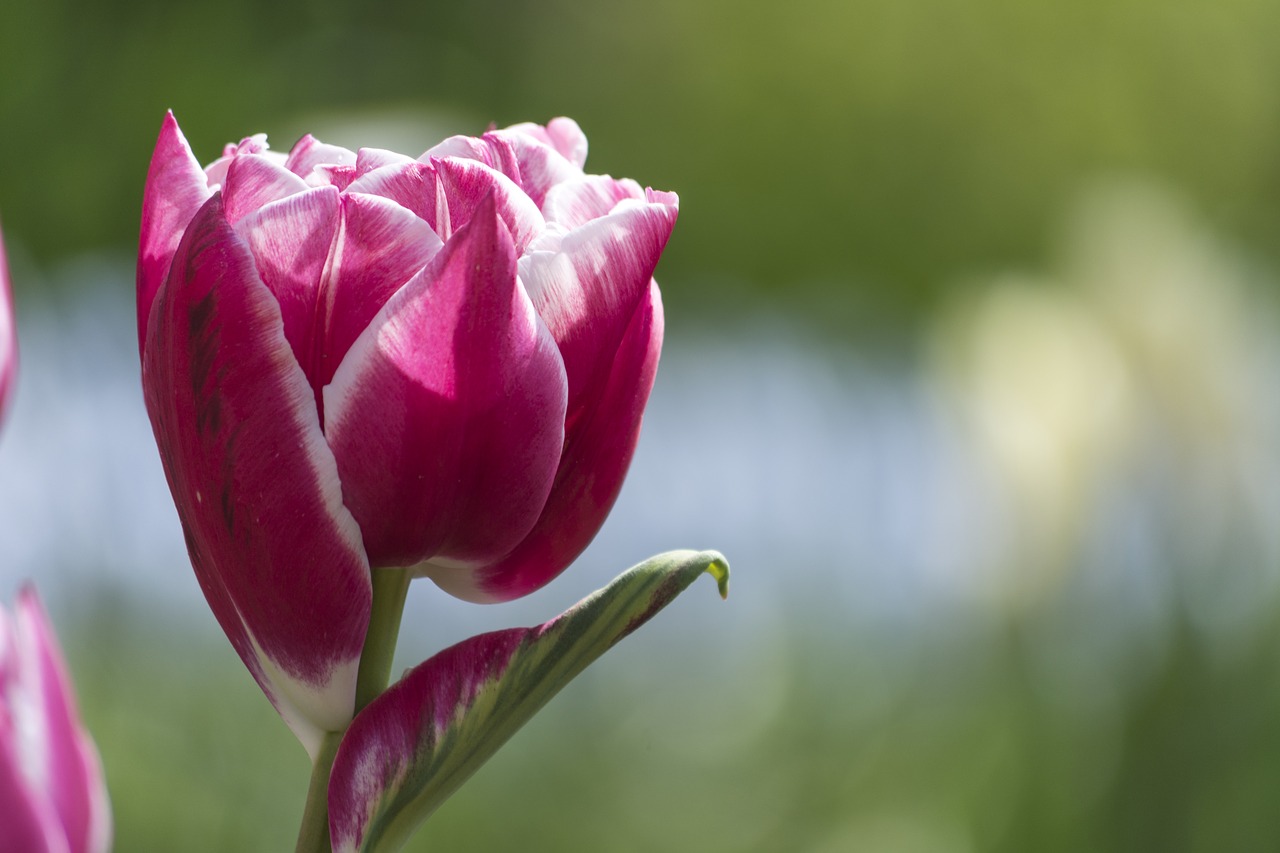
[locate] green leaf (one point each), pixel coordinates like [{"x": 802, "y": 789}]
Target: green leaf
[{"x": 414, "y": 745}]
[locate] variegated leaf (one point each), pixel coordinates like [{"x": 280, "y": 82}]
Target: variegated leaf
[{"x": 418, "y": 742}]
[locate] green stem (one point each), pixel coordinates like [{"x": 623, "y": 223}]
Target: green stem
[
  {"x": 313, "y": 837},
  {"x": 390, "y": 586}
]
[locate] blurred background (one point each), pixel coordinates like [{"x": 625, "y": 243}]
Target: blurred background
[{"x": 971, "y": 371}]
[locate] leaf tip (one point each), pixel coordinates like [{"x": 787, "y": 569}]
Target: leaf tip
[{"x": 718, "y": 568}]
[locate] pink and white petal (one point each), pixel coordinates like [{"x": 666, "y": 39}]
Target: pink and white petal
[
  {"x": 176, "y": 187},
  {"x": 368, "y": 159},
  {"x": 589, "y": 290},
  {"x": 493, "y": 151},
  {"x": 71, "y": 769},
  {"x": 563, "y": 134},
  {"x": 309, "y": 152},
  {"x": 467, "y": 183},
  {"x": 254, "y": 180},
  {"x": 381, "y": 246},
  {"x": 291, "y": 241},
  {"x": 541, "y": 166},
  {"x": 418, "y": 742},
  {"x": 277, "y": 554},
  {"x": 28, "y": 822},
  {"x": 576, "y": 202},
  {"x": 598, "y": 448},
  {"x": 446, "y": 416},
  {"x": 413, "y": 186}
]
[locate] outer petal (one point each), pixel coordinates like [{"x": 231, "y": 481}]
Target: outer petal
[
  {"x": 74, "y": 773},
  {"x": 597, "y": 452},
  {"x": 446, "y": 417},
  {"x": 417, "y": 743},
  {"x": 277, "y": 554},
  {"x": 8, "y": 336},
  {"x": 176, "y": 187},
  {"x": 588, "y": 291}
]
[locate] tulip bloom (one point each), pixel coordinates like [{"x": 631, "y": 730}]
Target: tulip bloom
[
  {"x": 362, "y": 361},
  {"x": 52, "y": 796}
]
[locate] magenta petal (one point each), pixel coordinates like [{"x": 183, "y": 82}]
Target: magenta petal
[
  {"x": 28, "y": 822},
  {"x": 310, "y": 152},
  {"x": 52, "y": 795},
  {"x": 255, "y": 180},
  {"x": 541, "y": 165},
  {"x": 277, "y": 554},
  {"x": 412, "y": 185},
  {"x": 446, "y": 416},
  {"x": 74, "y": 773},
  {"x": 381, "y": 246},
  {"x": 587, "y": 292},
  {"x": 291, "y": 240},
  {"x": 597, "y": 452},
  {"x": 467, "y": 183},
  {"x": 176, "y": 187}
]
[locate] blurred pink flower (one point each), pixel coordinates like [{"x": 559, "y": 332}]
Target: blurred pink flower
[{"x": 52, "y": 795}]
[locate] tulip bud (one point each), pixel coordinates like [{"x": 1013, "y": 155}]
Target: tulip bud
[
  {"x": 52, "y": 795},
  {"x": 361, "y": 361}
]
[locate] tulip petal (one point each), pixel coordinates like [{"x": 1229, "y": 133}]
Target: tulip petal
[
  {"x": 598, "y": 448},
  {"x": 255, "y": 180},
  {"x": 414, "y": 745},
  {"x": 381, "y": 246},
  {"x": 446, "y": 416},
  {"x": 588, "y": 291},
  {"x": 574, "y": 203},
  {"x": 176, "y": 187},
  {"x": 277, "y": 554},
  {"x": 563, "y": 134},
  {"x": 291, "y": 240},
  {"x": 467, "y": 183},
  {"x": 73, "y": 772},
  {"x": 542, "y": 167},
  {"x": 411, "y": 185},
  {"x": 27, "y": 822},
  {"x": 309, "y": 152}
]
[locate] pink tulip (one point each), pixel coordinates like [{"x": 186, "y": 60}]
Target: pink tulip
[
  {"x": 363, "y": 360},
  {"x": 52, "y": 796}
]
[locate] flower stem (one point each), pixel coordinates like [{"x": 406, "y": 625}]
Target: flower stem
[
  {"x": 313, "y": 837},
  {"x": 390, "y": 586}
]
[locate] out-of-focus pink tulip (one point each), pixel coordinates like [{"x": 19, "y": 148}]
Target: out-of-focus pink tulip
[
  {"x": 8, "y": 338},
  {"x": 357, "y": 360},
  {"x": 52, "y": 796}
]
